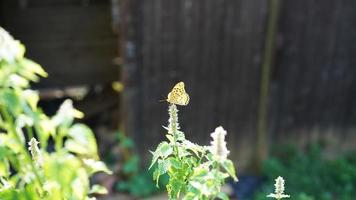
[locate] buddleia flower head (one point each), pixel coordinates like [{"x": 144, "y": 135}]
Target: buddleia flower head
[
  {"x": 35, "y": 151},
  {"x": 218, "y": 145},
  {"x": 279, "y": 189}
]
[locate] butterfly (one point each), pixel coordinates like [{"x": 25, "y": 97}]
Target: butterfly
[{"x": 178, "y": 95}]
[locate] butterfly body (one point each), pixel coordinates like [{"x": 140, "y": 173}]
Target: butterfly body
[{"x": 178, "y": 95}]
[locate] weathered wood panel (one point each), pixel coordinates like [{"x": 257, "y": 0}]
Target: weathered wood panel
[
  {"x": 315, "y": 74},
  {"x": 73, "y": 41},
  {"x": 214, "y": 46}
]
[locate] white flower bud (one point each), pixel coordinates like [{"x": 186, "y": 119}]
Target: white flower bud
[
  {"x": 35, "y": 151},
  {"x": 218, "y": 145},
  {"x": 279, "y": 189}
]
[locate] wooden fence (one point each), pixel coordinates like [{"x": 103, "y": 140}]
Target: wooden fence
[
  {"x": 216, "y": 47},
  {"x": 71, "y": 39}
]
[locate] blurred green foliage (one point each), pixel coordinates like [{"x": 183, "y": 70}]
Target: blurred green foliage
[
  {"x": 309, "y": 175},
  {"x": 62, "y": 173},
  {"x": 135, "y": 181}
]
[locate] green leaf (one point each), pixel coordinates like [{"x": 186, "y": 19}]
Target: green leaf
[
  {"x": 200, "y": 172},
  {"x": 127, "y": 143},
  {"x": 11, "y": 100},
  {"x": 180, "y": 136},
  {"x": 162, "y": 168},
  {"x": 170, "y": 138},
  {"x": 132, "y": 165},
  {"x": 196, "y": 149},
  {"x": 66, "y": 114},
  {"x": 82, "y": 141},
  {"x": 175, "y": 163},
  {"x": 223, "y": 196},
  {"x": 156, "y": 175},
  {"x": 23, "y": 120},
  {"x": 9, "y": 141},
  {"x": 32, "y": 98},
  {"x": 98, "y": 189},
  {"x": 5, "y": 184},
  {"x": 4, "y": 168},
  {"x": 18, "y": 81},
  {"x": 95, "y": 166},
  {"x": 202, "y": 187},
  {"x": 32, "y": 67},
  {"x": 175, "y": 187},
  {"x": 65, "y": 170},
  {"x": 163, "y": 151},
  {"x": 192, "y": 195},
  {"x": 228, "y": 165}
]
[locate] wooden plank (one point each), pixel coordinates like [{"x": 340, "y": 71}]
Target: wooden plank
[
  {"x": 74, "y": 43},
  {"x": 205, "y": 44},
  {"x": 316, "y": 75}
]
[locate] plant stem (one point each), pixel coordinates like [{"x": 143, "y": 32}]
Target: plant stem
[
  {"x": 29, "y": 131},
  {"x": 262, "y": 129},
  {"x": 12, "y": 129}
]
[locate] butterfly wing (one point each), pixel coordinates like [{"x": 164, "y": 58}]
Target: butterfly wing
[
  {"x": 184, "y": 100},
  {"x": 178, "y": 95}
]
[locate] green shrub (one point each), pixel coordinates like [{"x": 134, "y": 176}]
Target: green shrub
[
  {"x": 310, "y": 176},
  {"x": 30, "y": 171}
]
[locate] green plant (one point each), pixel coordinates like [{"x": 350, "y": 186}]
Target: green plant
[
  {"x": 195, "y": 172},
  {"x": 134, "y": 180},
  {"x": 33, "y": 172},
  {"x": 311, "y": 175}
]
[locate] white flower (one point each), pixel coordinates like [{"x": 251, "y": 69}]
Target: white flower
[
  {"x": 279, "y": 189},
  {"x": 10, "y": 49},
  {"x": 218, "y": 145},
  {"x": 35, "y": 151}
]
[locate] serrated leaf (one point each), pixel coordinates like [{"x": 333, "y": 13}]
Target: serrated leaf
[
  {"x": 163, "y": 151},
  {"x": 162, "y": 168},
  {"x": 228, "y": 165}
]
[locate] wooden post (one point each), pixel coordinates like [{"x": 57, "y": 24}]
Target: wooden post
[{"x": 268, "y": 54}]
